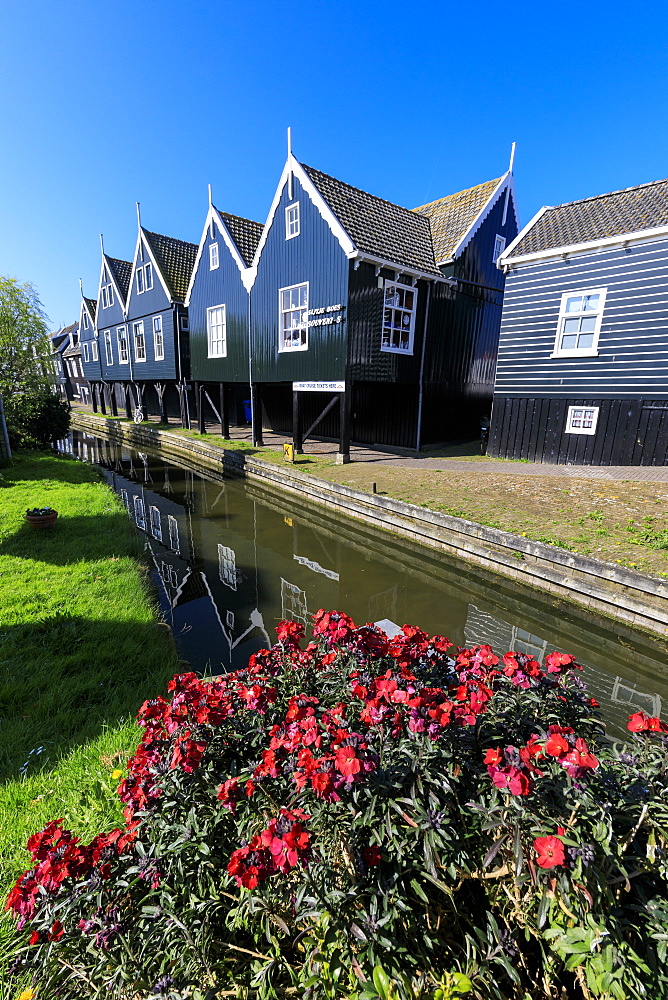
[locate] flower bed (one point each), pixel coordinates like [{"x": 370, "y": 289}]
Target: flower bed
[{"x": 363, "y": 817}]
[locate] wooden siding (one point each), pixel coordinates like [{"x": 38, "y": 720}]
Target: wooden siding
[
  {"x": 314, "y": 256},
  {"x": 221, "y": 286},
  {"x": 633, "y": 342},
  {"x": 628, "y": 431},
  {"x": 144, "y": 306}
]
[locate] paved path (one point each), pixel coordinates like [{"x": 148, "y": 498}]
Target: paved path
[{"x": 473, "y": 466}]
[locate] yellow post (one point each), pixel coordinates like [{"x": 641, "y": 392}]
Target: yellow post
[{"x": 288, "y": 452}]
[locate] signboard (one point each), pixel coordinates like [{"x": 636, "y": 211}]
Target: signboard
[
  {"x": 288, "y": 452},
  {"x": 318, "y": 386}
]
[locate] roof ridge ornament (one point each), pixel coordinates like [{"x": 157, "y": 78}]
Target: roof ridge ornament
[
  {"x": 138, "y": 207},
  {"x": 290, "y": 176},
  {"x": 512, "y": 158}
]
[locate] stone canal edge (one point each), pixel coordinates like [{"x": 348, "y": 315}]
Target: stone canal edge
[{"x": 603, "y": 588}]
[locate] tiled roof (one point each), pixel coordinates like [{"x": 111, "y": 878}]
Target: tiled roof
[
  {"x": 246, "y": 234},
  {"x": 176, "y": 259},
  {"x": 627, "y": 211},
  {"x": 376, "y": 226},
  {"x": 92, "y": 306},
  {"x": 71, "y": 351},
  {"x": 122, "y": 270},
  {"x": 450, "y": 218}
]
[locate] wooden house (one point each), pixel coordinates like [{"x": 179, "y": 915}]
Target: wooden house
[
  {"x": 582, "y": 374},
  {"x": 373, "y": 321},
  {"x": 109, "y": 332},
  {"x": 60, "y": 341},
  {"x": 90, "y": 347},
  {"x": 218, "y": 302}
]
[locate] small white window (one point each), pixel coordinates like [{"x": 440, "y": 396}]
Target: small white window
[
  {"x": 173, "y": 526},
  {"x": 499, "y": 247},
  {"x": 156, "y": 526},
  {"x": 148, "y": 276},
  {"x": 216, "y": 331},
  {"x": 140, "y": 280},
  {"x": 140, "y": 343},
  {"x": 292, "y": 221},
  {"x": 293, "y": 318},
  {"x": 84, "y": 320},
  {"x": 94, "y": 350},
  {"x": 158, "y": 341},
  {"x": 107, "y": 296},
  {"x": 227, "y": 566},
  {"x": 214, "y": 260},
  {"x": 582, "y": 419},
  {"x": 124, "y": 498},
  {"x": 398, "y": 318},
  {"x": 84, "y": 350},
  {"x": 139, "y": 513},
  {"x": 122, "y": 338},
  {"x": 108, "y": 349},
  {"x": 579, "y": 325}
]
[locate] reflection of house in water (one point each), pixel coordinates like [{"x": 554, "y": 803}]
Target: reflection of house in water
[{"x": 617, "y": 695}]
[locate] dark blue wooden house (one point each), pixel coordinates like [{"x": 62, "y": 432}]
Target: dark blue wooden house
[
  {"x": 90, "y": 347},
  {"x": 378, "y": 322},
  {"x": 102, "y": 340},
  {"x": 582, "y": 374},
  {"x": 218, "y": 316}
]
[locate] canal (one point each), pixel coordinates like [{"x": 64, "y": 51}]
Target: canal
[{"x": 230, "y": 558}]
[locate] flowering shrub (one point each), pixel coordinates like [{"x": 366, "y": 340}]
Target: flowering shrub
[{"x": 364, "y": 817}]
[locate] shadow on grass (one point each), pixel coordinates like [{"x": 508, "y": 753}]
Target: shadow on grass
[
  {"x": 64, "y": 679},
  {"x": 73, "y": 539},
  {"x": 40, "y": 465}
]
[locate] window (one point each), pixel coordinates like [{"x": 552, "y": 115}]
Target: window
[
  {"x": 84, "y": 320},
  {"x": 140, "y": 343},
  {"x": 580, "y": 318},
  {"x": 398, "y": 318},
  {"x": 144, "y": 278},
  {"x": 158, "y": 341},
  {"x": 499, "y": 247},
  {"x": 84, "y": 350},
  {"x": 93, "y": 348},
  {"x": 215, "y": 331},
  {"x": 184, "y": 322},
  {"x": 122, "y": 338},
  {"x": 173, "y": 527},
  {"x": 124, "y": 498},
  {"x": 293, "y": 318},
  {"x": 108, "y": 348},
  {"x": 214, "y": 260},
  {"x": 227, "y": 566},
  {"x": 293, "y": 602},
  {"x": 140, "y": 280},
  {"x": 582, "y": 419},
  {"x": 156, "y": 526},
  {"x": 292, "y": 221},
  {"x": 107, "y": 295},
  {"x": 139, "y": 513}
]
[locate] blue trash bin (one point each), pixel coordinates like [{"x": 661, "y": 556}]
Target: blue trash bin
[{"x": 248, "y": 412}]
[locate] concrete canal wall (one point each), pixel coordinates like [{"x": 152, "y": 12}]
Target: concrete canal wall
[{"x": 603, "y": 588}]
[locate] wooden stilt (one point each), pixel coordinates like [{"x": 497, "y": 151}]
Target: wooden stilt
[
  {"x": 343, "y": 455},
  {"x": 128, "y": 400},
  {"x": 256, "y": 405},
  {"x": 224, "y": 412},
  {"x": 296, "y": 424}
]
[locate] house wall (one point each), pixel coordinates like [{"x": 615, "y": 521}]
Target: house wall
[{"x": 144, "y": 306}]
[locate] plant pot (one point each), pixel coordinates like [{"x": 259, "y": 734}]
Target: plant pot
[{"x": 42, "y": 520}]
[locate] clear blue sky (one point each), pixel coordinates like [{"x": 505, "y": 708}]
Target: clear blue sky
[{"x": 105, "y": 104}]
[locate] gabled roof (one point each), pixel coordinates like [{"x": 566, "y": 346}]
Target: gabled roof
[
  {"x": 72, "y": 350},
  {"x": 602, "y": 217},
  {"x": 376, "y": 226},
  {"x": 121, "y": 272},
  {"x": 91, "y": 305},
  {"x": 175, "y": 259},
  {"x": 450, "y": 218},
  {"x": 246, "y": 234}
]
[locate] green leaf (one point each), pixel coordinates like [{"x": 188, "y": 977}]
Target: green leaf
[{"x": 381, "y": 982}]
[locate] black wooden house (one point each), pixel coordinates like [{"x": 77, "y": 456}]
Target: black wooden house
[{"x": 582, "y": 373}]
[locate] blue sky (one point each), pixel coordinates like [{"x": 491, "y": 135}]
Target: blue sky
[{"x": 106, "y": 104}]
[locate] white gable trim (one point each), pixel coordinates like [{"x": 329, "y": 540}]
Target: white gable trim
[
  {"x": 213, "y": 216},
  {"x": 506, "y": 183},
  {"x": 638, "y": 236},
  {"x": 501, "y": 259},
  {"x": 112, "y": 279},
  {"x": 88, "y": 313},
  {"x": 141, "y": 237}
]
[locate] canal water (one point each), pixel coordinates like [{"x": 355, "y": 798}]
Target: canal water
[{"x": 231, "y": 558}]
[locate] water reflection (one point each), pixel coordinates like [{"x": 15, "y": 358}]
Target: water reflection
[{"x": 232, "y": 557}]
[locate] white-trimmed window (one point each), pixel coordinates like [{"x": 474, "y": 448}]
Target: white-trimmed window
[
  {"x": 214, "y": 259},
  {"x": 398, "y": 318},
  {"x": 122, "y": 338},
  {"x": 140, "y": 343},
  {"x": 579, "y": 325},
  {"x": 227, "y": 566},
  {"x": 107, "y": 295},
  {"x": 173, "y": 527},
  {"x": 292, "y": 221},
  {"x": 156, "y": 524},
  {"x": 84, "y": 351},
  {"x": 144, "y": 278},
  {"x": 293, "y": 318},
  {"x": 84, "y": 320},
  {"x": 499, "y": 247},
  {"x": 108, "y": 349},
  {"x": 216, "y": 331},
  {"x": 158, "y": 339},
  {"x": 140, "y": 280},
  {"x": 93, "y": 348},
  {"x": 582, "y": 419},
  {"x": 124, "y": 498},
  {"x": 140, "y": 518}
]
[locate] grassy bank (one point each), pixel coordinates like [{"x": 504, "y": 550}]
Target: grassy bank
[{"x": 80, "y": 649}]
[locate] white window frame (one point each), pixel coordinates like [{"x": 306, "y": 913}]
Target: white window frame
[
  {"x": 94, "y": 352},
  {"x": 388, "y": 348},
  {"x": 84, "y": 320},
  {"x": 282, "y": 346},
  {"x": 227, "y": 566},
  {"x": 85, "y": 352},
  {"x": 139, "y": 341},
  {"x": 292, "y": 221},
  {"x": 173, "y": 528},
  {"x": 140, "y": 280},
  {"x": 148, "y": 277},
  {"x": 579, "y": 352},
  {"x": 156, "y": 522},
  {"x": 158, "y": 339},
  {"x": 123, "y": 347},
  {"x": 124, "y": 498},
  {"x": 499, "y": 247},
  {"x": 214, "y": 257},
  {"x": 580, "y": 416},
  {"x": 140, "y": 516},
  {"x": 107, "y": 295},
  {"x": 108, "y": 348},
  {"x": 213, "y": 350}
]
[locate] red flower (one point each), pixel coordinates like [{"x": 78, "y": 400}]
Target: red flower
[
  {"x": 640, "y": 722},
  {"x": 229, "y": 794},
  {"x": 371, "y": 856},
  {"x": 550, "y": 851},
  {"x": 556, "y": 746},
  {"x": 493, "y": 756},
  {"x": 56, "y": 931}
]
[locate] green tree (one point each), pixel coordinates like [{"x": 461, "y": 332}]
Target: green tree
[{"x": 26, "y": 363}]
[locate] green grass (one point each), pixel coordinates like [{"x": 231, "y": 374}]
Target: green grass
[{"x": 80, "y": 649}]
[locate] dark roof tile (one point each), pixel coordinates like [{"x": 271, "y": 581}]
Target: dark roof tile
[
  {"x": 92, "y": 307},
  {"x": 122, "y": 270},
  {"x": 452, "y": 217},
  {"x": 246, "y": 234},
  {"x": 176, "y": 259}
]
